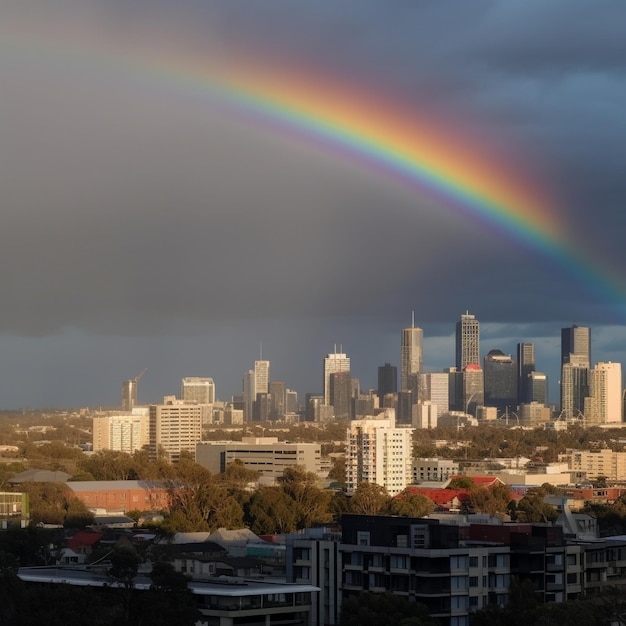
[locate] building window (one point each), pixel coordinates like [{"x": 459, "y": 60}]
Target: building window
[{"x": 363, "y": 538}]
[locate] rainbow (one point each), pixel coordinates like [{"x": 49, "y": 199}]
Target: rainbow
[{"x": 378, "y": 134}]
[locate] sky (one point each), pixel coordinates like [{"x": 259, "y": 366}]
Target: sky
[{"x": 155, "y": 217}]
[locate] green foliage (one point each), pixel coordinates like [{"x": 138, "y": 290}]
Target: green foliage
[
  {"x": 369, "y": 499},
  {"x": 532, "y": 508},
  {"x": 411, "y": 505},
  {"x": 55, "y": 503},
  {"x": 492, "y": 500}
]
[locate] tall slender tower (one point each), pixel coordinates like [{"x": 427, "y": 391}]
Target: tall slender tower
[
  {"x": 467, "y": 341},
  {"x": 525, "y": 365},
  {"x": 412, "y": 357},
  {"x": 576, "y": 340}
]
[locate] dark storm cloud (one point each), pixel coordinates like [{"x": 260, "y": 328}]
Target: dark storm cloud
[{"x": 133, "y": 211}]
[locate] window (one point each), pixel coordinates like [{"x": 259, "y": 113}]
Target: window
[
  {"x": 473, "y": 581},
  {"x": 473, "y": 561},
  {"x": 363, "y": 538}
]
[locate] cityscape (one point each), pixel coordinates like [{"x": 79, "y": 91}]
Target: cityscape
[{"x": 312, "y": 313}]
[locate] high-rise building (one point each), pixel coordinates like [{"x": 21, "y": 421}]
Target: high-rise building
[
  {"x": 538, "y": 388},
  {"x": 174, "y": 427},
  {"x": 574, "y": 386},
  {"x": 500, "y": 379},
  {"x": 435, "y": 388},
  {"x": 473, "y": 388},
  {"x": 197, "y": 390},
  {"x": 575, "y": 364},
  {"x": 278, "y": 400},
  {"x": 378, "y": 452},
  {"x": 122, "y": 433},
  {"x": 412, "y": 355},
  {"x": 335, "y": 362},
  {"x": 604, "y": 404},
  {"x": 387, "y": 380},
  {"x": 467, "y": 341},
  {"x": 341, "y": 394},
  {"x": 525, "y": 365},
  {"x": 576, "y": 340},
  {"x": 261, "y": 376},
  {"x": 249, "y": 395}
]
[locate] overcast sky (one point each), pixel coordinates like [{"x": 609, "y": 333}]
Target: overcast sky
[{"x": 143, "y": 227}]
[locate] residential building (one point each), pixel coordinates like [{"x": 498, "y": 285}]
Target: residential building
[
  {"x": 594, "y": 464},
  {"x": 174, "y": 427},
  {"x": 467, "y": 341},
  {"x": 121, "y": 432},
  {"x": 378, "y": 452},
  {"x": 604, "y": 404},
  {"x": 433, "y": 470}
]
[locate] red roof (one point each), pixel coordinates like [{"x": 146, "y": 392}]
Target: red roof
[
  {"x": 442, "y": 498},
  {"x": 481, "y": 481},
  {"x": 83, "y": 538}
]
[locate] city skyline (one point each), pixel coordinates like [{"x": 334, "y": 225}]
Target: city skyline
[{"x": 181, "y": 182}]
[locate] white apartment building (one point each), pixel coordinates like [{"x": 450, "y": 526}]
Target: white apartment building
[
  {"x": 592, "y": 465},
  {"x": 124, "y": 432},
  {"x": 174, "y": 427},
  {"x": 604, "y": 404},
  {"x": 433, "y": 470},
  {"x": 378, "y": 452}
]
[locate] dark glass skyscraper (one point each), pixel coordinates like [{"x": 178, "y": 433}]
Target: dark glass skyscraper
[
  {"x": 387, "y": 380},
  {"x": 500, "y": 373},
  {"x": 525, "y": 365}
]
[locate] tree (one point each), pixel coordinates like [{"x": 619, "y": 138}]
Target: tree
[
  {"x": 369, "y": 499},
  {"x": 532, "y": 508},
  {"x": 411, "y": 505},
  {"x": 270, "y": 510},
  {"x": 491, "y": 501}
]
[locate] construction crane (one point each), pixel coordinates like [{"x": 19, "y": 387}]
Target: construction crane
[{"x": 129, "y": 391}]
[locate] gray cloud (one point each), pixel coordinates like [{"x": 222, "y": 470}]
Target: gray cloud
[{"x": 135, "y": 215}]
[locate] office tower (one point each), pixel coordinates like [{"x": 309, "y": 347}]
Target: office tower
[
  {"x": 261, "y": 408},
  {"x": 412, "y": 354},
  {"x": 500, "y": 379},
  {"x": 525, "y": 365},
  {"x": 467, "y": 341},
  {"x": 197, "y": 390},
  {"x": 455, "y": 389},
  {"x": 174, "y": 427},
  {"x": 341, "y": 394},
  {"x": 404, "y": 409},
  {"x": 335, "y": 362},
  {"x": 278, "y": 400},
  {"x": 387, "y": 380},
  {"x": 538, "y": 388},
  {"x": 473, "y": 388},
  {"x": 122, "y": 433},
  {"x": 378, "y": 452},
  {"x": 435, "y": 388},
  {"x": 604, "y": 404},
  {"x": 574, "y": 386},
  {"x": 291, "y": 401},
  {"x": 261, "y": 376},
  {"x": 576, "y": 340},
  {"x": 576, "y": 353}
]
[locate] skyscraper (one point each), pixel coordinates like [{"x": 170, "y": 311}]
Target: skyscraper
[
  {"x": 341, "y": 394},
  {"x": 197, "y": 390},
  {"x": 576, "y": 340},
  {"x": 412, "y": 354},
  {"x": 467, "y": 341},
  {"x": 575, "y": 364},
  {"x": 538, "y": 388},
  {"x": 261, "y": 376},
  {"x": 335, "y": 362},
  {"x": 500, "y": 376},
  {"x": 387, "y": 381},
  {"x": 525, "y": 365}
]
